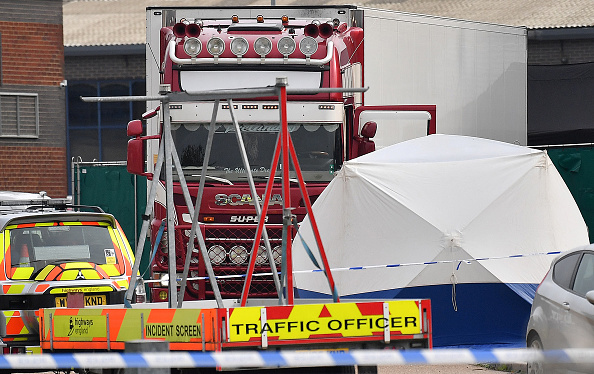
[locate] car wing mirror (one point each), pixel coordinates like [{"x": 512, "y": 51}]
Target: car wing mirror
[{"x": 590, "y": 296}]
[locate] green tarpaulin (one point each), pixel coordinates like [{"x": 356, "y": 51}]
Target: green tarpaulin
[
  {"x": 576, "y": 166},
  {"x": 117, "y": 192}
]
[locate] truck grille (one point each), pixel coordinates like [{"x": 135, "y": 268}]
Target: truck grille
[{"x": 229, "y": 249}]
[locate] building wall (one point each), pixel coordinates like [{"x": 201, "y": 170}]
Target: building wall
[
  {"x": 32, "y": 62},
  {"x": 560, "y": 52},
  {"x": 105, "y": 67}
]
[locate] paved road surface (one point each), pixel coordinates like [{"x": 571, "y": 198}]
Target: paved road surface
[
  {"x": 445, "y": 369},
  {"x": 427, "y": 369}
]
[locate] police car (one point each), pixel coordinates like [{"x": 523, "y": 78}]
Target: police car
[{"x": 53, "y": 254}]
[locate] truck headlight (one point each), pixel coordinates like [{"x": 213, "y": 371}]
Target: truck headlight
[
  {"x": 277, "y": 254},
  {"x": 261, "y": 258},
  {"x": 286, "y": 45},
  {"x": 194, "y": 284},
  {"x": 193, "y": 47},
  {"x": 238, "y": 255},
  {"x": 308, "y": 46},
  {"x": 217, "y": 254},
  {"x": 239, "y": 46},
  {"x": 215, "y": 46}
]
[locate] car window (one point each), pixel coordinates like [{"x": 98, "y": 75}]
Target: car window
[
  {"x": 584, "y": 278},
  {"x": 39, "y": 246},
  {"x": 563, "y": 270}
]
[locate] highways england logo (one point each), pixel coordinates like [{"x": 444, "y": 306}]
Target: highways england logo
[{"x": 79, "y": 325}]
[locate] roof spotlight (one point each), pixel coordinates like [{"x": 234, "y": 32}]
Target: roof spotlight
[
  {"x": 239, "y": 46},
  {"x": 263, "y": 46},
  {"x": 215, "y": 46},
  {"x": 308, "y": 46},
  {"x": 192, "y": 46},
  {"x": 286, "y": 45}
]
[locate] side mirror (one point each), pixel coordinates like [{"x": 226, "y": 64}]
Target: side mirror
[
  {"x": 590, "y": 296},
  {"x": 136, "y": 151},
  {"x": 136, "y": 156},
  {"x": 369, "y": 129},
  {"x": 134, "y": 128}
]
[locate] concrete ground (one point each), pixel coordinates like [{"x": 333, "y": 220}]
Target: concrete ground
[{"x": 452, "y": 369}]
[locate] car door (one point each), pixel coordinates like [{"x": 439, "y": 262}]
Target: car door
[
  {"x": 551, "y": 299},
  {"x": 580, "y": 310}
]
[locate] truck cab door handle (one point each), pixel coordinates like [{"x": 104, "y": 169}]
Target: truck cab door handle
[{"x": 566, "y": 306}]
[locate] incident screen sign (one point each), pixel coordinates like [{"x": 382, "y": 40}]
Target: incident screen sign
[{"x": 173, "y": 332}]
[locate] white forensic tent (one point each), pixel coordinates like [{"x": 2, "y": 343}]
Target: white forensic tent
[{"x": 485, "y": 211}]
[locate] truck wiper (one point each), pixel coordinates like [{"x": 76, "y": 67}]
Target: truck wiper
[
  {"x": 191, "y": 170},
  {"x": 218, "y": 179},
  {"x": 267, "y": 177}
]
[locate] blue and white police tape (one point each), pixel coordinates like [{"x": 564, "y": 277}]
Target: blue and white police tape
[
  {"x": 458, "y": 262},
  {"x": 277, "y": 359}
]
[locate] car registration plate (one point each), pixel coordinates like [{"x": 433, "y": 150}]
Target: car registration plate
[{"x": 90, "y": 300}]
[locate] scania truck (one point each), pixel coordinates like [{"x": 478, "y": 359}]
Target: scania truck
[{"x": 423, "y": 75}]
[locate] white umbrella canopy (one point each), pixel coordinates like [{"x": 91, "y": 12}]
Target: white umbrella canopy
[{"x": 440, "y": 198}]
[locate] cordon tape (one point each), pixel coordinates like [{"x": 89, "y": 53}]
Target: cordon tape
[
  {"x": 276, "y": 359},
  {"x": 459, "y": 262}
]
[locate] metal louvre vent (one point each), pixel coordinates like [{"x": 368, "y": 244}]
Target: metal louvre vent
[{"x": 19, "y": 115}]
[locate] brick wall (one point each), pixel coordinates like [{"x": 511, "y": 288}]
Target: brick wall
[
  {"x": 32, "y": 53},
  {"x": 31, "y": 11},
  {"x": 33, "y": 169},
  {"x": 558, "y": 52},
  {"x": 32, "y": 61},
  {"x": 105, "y": 67}
]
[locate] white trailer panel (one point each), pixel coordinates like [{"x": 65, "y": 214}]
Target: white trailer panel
[{"x": 475, "y": 73}]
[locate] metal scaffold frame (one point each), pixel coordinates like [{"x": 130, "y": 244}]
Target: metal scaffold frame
[{"x": 167, "y": 154}]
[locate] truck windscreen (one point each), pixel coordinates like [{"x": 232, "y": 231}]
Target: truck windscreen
[{"x": 318, "y": 149}]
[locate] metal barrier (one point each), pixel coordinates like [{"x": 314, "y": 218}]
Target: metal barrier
[{"x": 257, "y": 359}]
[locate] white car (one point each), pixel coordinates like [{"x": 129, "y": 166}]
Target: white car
[{"x": 562, "y": 314}]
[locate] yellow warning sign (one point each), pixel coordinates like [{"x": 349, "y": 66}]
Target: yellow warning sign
[
  {"x": 324, "y": 320},
  {"x": 80, "y": 327},
  {"x": 173, "y": 332}
]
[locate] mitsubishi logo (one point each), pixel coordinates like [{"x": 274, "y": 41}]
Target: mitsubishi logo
[{"x": 80, "y": 276}]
